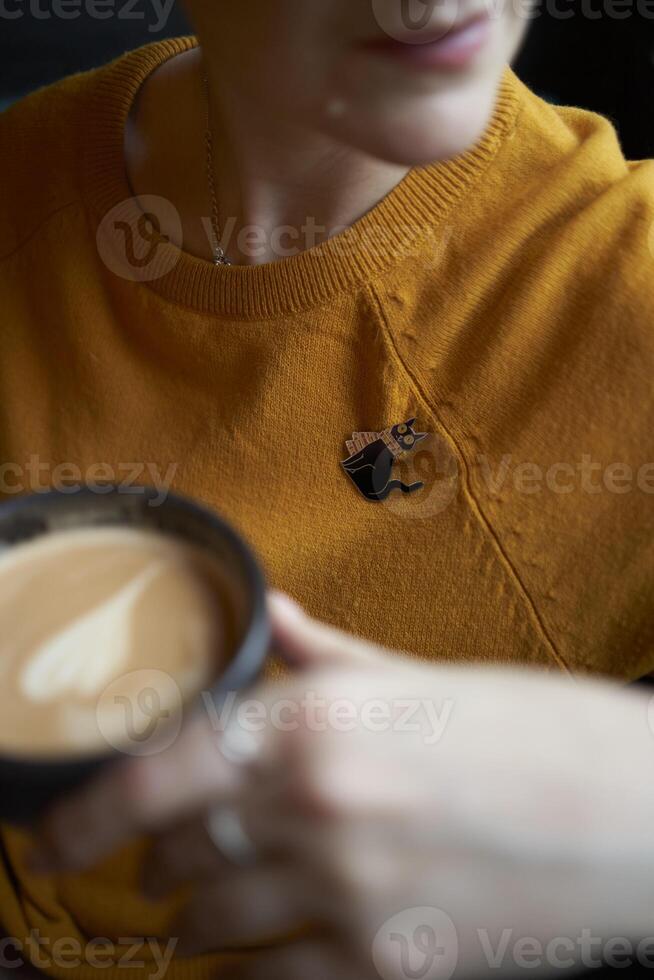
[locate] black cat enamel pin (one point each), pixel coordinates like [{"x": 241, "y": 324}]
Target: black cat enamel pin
[{"x": 372, "y": 455}]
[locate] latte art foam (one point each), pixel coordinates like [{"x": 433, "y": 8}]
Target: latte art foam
[{"x": 92, "y": 610}]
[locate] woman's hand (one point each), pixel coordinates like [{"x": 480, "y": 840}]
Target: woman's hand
[{"x": 416, "y": 814}]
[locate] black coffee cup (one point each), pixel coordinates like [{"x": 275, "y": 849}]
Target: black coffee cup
[{"x": 29, "y": 784}]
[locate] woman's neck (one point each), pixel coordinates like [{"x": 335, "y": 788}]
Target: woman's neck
[{"x": 280, "y": 189}]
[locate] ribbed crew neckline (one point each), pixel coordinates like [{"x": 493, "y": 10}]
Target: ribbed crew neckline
[{"x": 375, "y": 242}]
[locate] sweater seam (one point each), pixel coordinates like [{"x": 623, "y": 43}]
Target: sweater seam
[
  {"x": 5, "y": 256},
  {"x": 471, "y": 496}
]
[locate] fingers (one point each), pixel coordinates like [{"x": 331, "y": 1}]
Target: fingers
[
  {"x": 243, "y": 906},
  {"x": 183, "y": 853},
  {"x": 309, "y": 960},
  {"x": 306, "y": 642},
  {"x": 148, "y": 792},
  {"x": 135, "y": 796},
  {"x": 186, "y": 851}
]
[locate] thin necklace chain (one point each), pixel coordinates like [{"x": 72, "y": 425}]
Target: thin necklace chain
[{"x": 219, "y": 257}]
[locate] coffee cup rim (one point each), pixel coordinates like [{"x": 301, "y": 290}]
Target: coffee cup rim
[{"x": 244, "y": 666}]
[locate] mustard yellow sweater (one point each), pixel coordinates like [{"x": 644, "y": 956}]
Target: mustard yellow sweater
[{"x": 512, "y": 316}]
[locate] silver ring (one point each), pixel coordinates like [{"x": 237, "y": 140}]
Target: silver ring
[{"x": 229, "y": 837}]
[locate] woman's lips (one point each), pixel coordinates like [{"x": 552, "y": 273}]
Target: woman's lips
[{"x": 455, "y": 47}]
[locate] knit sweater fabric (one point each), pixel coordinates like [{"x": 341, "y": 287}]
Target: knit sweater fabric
[{"x": 504, "y": 299}]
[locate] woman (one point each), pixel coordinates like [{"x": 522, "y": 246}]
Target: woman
[{"x": 418, "y": 245}]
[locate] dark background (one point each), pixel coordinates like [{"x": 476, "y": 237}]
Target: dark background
[{"x": 599, "y": 54}]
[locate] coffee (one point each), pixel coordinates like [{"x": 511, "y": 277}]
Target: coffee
[{"x": 85, "y": 616}]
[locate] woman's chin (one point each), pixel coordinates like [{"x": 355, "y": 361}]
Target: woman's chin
[{"x": 437, "y": 128}]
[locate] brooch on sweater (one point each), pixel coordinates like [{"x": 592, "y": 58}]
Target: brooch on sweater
[{"x": 371, "y": 459}]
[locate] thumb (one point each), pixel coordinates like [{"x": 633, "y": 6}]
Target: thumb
[{"x": 305, "y": 642}]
